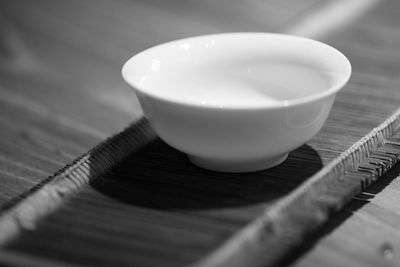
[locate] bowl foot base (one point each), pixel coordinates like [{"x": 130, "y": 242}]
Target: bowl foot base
[{"x": 237, "y": 165}]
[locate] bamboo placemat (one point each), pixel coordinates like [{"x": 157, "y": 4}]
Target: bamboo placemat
[
  {"x": 154, "y": 209},
  {"x": 281, "y": 227}
]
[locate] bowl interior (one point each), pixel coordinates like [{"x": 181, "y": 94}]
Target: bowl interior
[{"x": 239, "y": 70}]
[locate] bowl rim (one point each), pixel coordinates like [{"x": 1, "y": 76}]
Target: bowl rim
[{"x": 333, "y": 89}]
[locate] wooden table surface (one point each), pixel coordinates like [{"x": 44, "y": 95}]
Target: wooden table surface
[{"x": 61, "y": 93}]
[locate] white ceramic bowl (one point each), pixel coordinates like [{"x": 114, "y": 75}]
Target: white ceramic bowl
[{"x": 237, "y": 102}]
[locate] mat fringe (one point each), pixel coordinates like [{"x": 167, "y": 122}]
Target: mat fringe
[
  {"x": 264, "y": 241},
  {"x": 24, "y": 212},
  {"x": 286, "y": 224}
]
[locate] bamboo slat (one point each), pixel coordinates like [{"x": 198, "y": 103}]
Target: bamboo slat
[{"x": 62, "y": 93}]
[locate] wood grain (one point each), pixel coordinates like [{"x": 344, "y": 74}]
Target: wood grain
[
  {"x": 61, "y": 93},
  {"x": 60, "y": 64}
]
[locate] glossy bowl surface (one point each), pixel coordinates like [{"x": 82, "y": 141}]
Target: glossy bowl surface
[{"x": 228, "y": 131}]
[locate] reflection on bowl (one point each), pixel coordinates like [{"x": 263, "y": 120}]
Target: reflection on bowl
[{"x": 237, "y": 102}]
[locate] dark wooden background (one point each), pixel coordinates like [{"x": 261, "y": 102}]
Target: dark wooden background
[{"x": 61, "y": 93}]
